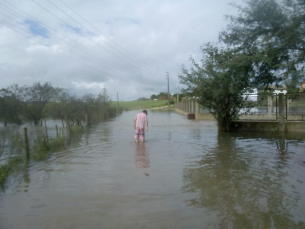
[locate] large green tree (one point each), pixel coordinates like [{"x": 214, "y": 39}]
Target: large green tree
[
  {"x": 12, "y": 104},
  {"x": 219, "y": 80},
  {"x": 67, "y": 108},
  {"x": 37, "y": 96},
  {"x": 272, "y": 33},
  {"x": 263, "y": 45}
]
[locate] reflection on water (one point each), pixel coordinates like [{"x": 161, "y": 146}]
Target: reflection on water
[
  {"x": 194, "y": 178},
  {"x": 141, "y": 156},
  {"x": 247, "y": 185}
]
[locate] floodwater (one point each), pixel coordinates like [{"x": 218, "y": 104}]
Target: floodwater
[{"x": 184, "y": 176}]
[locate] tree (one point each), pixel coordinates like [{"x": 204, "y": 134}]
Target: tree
[
  {"x": 272, "y": 32},
  {"x": 104, "y": 104},
  {"x": 11, "y": 110},
  {"x": 219, "y": 81},
  {"x": 37, "y": 97},
  {"x": 162, "y": 95},
  {"x": 262, "y": 46},
  {"x": 153, "y": 96},
  {"x": 11, "y": 104},
  {"x": 67, "y": 107}
]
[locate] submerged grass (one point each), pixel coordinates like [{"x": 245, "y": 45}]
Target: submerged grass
[
  {"x": 12, "y": 145},
  {"x": 11, "y": 141},
  {"x": 41, "y": 149},
  {"x": 14, "y": 164}
]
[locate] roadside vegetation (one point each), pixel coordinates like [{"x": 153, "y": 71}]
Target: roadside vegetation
[
  {"x": 262, "y": 46},
  {"x": 31, "y": 106}
]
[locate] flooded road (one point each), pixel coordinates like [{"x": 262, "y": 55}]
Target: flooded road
[{"x": 184, "y": 176}]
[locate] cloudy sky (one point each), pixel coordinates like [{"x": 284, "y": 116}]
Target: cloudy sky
[{"x": 126, "y": 46}]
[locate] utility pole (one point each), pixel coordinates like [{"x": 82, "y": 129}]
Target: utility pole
[
  {"x": 178, "y": 94},
  {"x": 117, "y": 109},
  {"x": 168, "y": 90},
  {"x": 118, "y": 98}
]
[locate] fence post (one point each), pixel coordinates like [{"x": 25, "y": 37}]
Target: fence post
[
  {"x": 188, "y": 106},
  {"x": 68, "y": 126},
  {"x": 86, "y": 116},
  {"x": 281, "y": 112},
  {"x": 45, "y": 124},
  {"x": 269, "y": 105},
  {"x": 56, "y": 131},
  {"x": 26, "y": 143}
]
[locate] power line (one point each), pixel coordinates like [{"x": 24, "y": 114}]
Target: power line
[
  {"x": 73, "y": 51},
  {"x": 65, "y": 40},
  {"x": 91, "y": 68},
  {"x": 106, "y": 36},
  {"x": 80, "y": 55},
  {"x": 83, "y": 27},
  {"x": 11, "y": 27}
]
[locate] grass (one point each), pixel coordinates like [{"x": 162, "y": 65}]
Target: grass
[
  {"x": 42, "y": 150},
  {"x": 13, "y": 164},
  {"x": 142, "y": 104}
]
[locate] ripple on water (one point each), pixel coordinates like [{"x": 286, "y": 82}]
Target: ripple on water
[{"x": 185, "y": 175}]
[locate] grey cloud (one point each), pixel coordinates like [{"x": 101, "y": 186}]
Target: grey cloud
[{"x": 159, "y": 36}]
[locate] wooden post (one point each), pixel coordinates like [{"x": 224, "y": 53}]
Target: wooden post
[
  {"x": 56, "y": 131},
  {"x": 26, "y": 143},
  {"x": 168, "y": 97},
  {"x": 193, "y": 105},
  {"x": 86, "y": 116},
  {"x": 269, "y": 105},
  {"x": 5, "y": 123},
  {"x": 282, "y": 112},
  {"x": 45, "y": 124},
  {"x": 68, "y": 126}
]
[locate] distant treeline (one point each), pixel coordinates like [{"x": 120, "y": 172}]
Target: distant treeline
[
  {"x": 164, "y": 96},
  {"x": 31, "y": 104}
]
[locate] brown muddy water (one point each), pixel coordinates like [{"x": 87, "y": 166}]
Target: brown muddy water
[{"x": 184, "y": 176}]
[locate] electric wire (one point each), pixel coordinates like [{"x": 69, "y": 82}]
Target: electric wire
[
  {"x": 86, "y": 36},
  {"x": 102, "y": 59},
  {"x": 135, "y": 58},
  {"x": 60, "y": 38},
  {"x": 80, "y": 55},
  {"x": 24, "y": 34},
  {"x": 12, "y": 27}
]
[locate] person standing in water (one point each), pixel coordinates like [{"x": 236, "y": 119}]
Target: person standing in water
[{"x": 139, "y": 123}]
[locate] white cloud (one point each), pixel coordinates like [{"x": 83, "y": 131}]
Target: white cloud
[
  {"x": 88, "y": 85},
  {"x": 159, "y": 36}
]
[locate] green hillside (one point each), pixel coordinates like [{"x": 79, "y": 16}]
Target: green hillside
[{"x": 142, "y": 104}]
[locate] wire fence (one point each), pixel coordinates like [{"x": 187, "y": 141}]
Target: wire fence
[
  {"x": 295, "y": 106},
  {"x": 263, "y": 106},
  {"x": 12, "y": 142}
]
